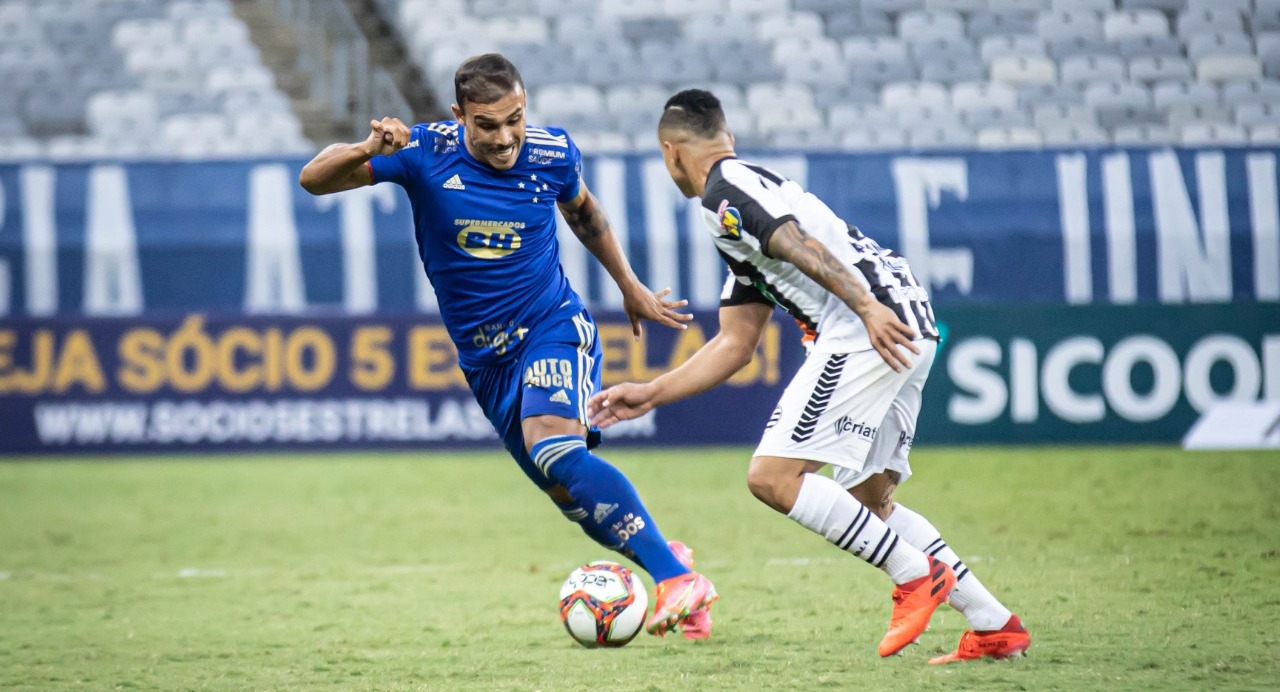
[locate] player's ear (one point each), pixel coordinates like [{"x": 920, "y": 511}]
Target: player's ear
[{"x": 457, "y": 112}]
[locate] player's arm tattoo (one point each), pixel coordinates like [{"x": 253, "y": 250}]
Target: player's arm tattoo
[
  {"x": 587, "y": 220},
  {"x": 790, "y": 243}
]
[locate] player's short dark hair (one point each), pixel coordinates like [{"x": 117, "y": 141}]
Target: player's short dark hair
[
  {"x": 485, "y": 79},
  {"x": 696, "y": 111}
]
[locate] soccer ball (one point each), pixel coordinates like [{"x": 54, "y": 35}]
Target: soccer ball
[{"x": 603, "y": 604}]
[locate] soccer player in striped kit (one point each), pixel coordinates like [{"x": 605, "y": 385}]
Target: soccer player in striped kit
[{"x": 871, "y": 337}]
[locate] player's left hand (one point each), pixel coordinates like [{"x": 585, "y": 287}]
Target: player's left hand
[
  {"x": 641, "y": 304},
  {"x": 620, "y": 402}
]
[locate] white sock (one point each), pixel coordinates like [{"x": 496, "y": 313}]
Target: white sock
[
  {"x": 970, "y": 597},
  {"x": 830, "y": 511}
]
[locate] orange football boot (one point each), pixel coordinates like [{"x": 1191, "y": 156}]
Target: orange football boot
[
  {"x": 913, "y": 605},
  {"x": 1007, "y": 642}
]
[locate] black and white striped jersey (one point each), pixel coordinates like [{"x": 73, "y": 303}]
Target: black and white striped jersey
[{"x": 744, "y": 204}]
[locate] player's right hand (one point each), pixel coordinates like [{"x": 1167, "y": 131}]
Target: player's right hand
[
  {"x": 887, "y": 332},
  {"x": 386, "y": 137},
  {"x": 620, "y": 402}
]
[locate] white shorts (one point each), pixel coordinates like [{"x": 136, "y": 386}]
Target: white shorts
[{"x": 850, "y": 410}]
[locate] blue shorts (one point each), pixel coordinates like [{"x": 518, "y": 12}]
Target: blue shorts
[{"x": 555, "y": 374}]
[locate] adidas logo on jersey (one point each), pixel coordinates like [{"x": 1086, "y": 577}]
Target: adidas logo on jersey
[
  {"x": 603, "y": 511},
  {"x": 560, "y": 397},
  {"x": 454, "y": 183}
]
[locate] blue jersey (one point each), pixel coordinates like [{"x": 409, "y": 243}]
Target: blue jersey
[{"x": 487, "y": 237}]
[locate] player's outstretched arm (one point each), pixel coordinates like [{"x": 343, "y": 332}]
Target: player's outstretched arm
[
  {"x": 789, "y": 242},
  {"x": 591, "y": 225},
  {"x": 342, "y": 166},
  {"x": 741, "y": 327}
]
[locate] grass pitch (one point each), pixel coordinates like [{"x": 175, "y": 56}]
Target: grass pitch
[{"x": 1135, "y": 568}]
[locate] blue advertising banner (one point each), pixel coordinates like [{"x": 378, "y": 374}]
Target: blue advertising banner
[
  {"x": 1048, "y": 227},
  {"x": 210, "y": 382}
]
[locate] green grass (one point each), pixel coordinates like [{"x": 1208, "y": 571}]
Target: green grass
[{"x": 1135, "y": 568}]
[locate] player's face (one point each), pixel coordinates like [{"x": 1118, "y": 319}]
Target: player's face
[
  {"x": 673, "y": 156},
  {"x": 495, "y": 131}
]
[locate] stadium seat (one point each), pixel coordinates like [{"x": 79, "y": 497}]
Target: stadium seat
[
  {"x": 892, "y": 6},
  {"x": 493, "y": 9},
  {"x": 19, "y": 148},
  {"x": 1218, "y": 68},
  {"x": 1141, "y": 135},
  {"x": 942, "y": 48},
  {"x": 868, "y": 139},
  {"x": 1268, "y": 134},
  {"x": 636, "y": 98},
  {"x": 928, "y": 25},
  {"x": 998, "y": 46},
  {"x": 1212, "y": 134},
  {"x": 1082, "y": 69},
  {"x": 568, "y": 98},
  {"x": 819, "y": 6},
  {"x": 1252, "y": 114},
  {"x": 904, "y": 94},
  {"x": 1117, "y": 94},
  {"x": 1134, "y": 24},
  {"x": 116, "y": 113},
  {"x": 1060, "y": 25},
  {"x": 1202, "y": 46},
  {"x": 1004, "y": 6},
  {"x": 189, "y": 9},
  {"x": 623, "y": 9},
  {"x": 1112, "y": 117},
  {"x": 757, "y": 7},
  {"x": 1098, "y": 6},
  {"x": 716, "y": 28},
  {"x": 812, "y": 70},
  {"x": 1163, "y": 5},
  {"x": 827, "y": 95},
  {"x": 1008, "y": 138},
  {"x": 641, "y": 29},
  {"x": 571, "y": 29},
  {"x": 692, "y": 8},
  {"x": 614, "y": 68},
  {"x": 952, "y": 70},
  {"x": 1076, "y": 136},
  {"x": 995, "y": 116},
  {"x": 1149, "y": 46},
  {"x": 787, "y": 50},
  {"x": 806, "y": 139},
  {"x": 1170, "y": 94},
  {"x": 846, "y": 24},
  {"x": 1252, "y": 91},
  {"x": 971, "y": 95},
  {"x": 1209, "y": 20},
  {"x": 220, "y": 79},
  {"x": 745, "y": 68},
  {"x": 983, "y": 24},
  {"x": 54, "y": 109},
  {"x": 607, "y": 143},
  {"x": 785, "y": 116},
  {"x": 940, "y": 137},
  {"x": 1150, "y": 68},
  {"x": 763, "y": 97},
  {"x": 956, "y": 5},
  {"x": 865, "y": 50},
  {"x": 1071, "y": 46},
  {"x": 1181, "y": 114},
  {"x": 1057, "y": 115},
  {"x": 134, "y": 32},
  {"x": 851, "y": 116},
  {"x": 1017, "y": 70},
  {"x": 206, "y": 29},
  {"x": 1241, "y": 6},
  {"x": 789, "y": 25}
]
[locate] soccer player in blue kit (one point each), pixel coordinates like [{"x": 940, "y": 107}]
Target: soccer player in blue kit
[{"x": 484, "y": 188}]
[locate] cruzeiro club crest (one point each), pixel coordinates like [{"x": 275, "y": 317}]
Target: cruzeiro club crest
[{"x": 730, "y": 221}]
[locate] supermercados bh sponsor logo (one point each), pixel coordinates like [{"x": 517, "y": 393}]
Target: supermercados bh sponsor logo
[
  {"x": 847, "y": 425},
  {"x": 488, "y": 239}
]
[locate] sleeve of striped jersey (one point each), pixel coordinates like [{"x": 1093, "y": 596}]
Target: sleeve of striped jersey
[
  {"x": 573, "y": 176},
  {"x": 397, "y": 168},
  {"x": 739, "y": 292},
  {"x": 763, "y": 210}
]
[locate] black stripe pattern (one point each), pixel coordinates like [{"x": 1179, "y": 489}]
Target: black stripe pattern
[{"x": 820, "y": 398}]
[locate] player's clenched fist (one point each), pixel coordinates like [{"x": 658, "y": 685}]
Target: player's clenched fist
[{"x": 386, "y": 137}]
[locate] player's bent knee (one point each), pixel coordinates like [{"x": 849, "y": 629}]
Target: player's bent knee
[
  {"x": 559, "y": 495},
  {"x": 539, "y": 428}
]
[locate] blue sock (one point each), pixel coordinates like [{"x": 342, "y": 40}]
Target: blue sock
[
  {"x": 598, "y": 533},
  {"x": 610, "y": 501}
]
